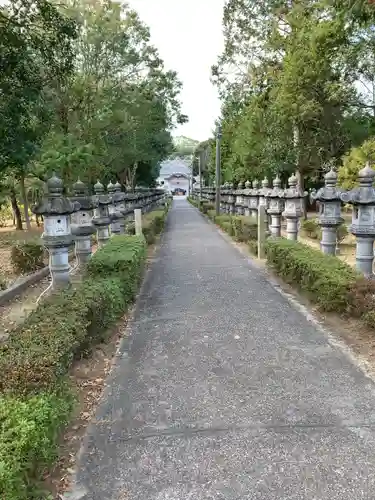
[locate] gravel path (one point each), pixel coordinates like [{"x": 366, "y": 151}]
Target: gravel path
[{"x": 226, "y": 391}]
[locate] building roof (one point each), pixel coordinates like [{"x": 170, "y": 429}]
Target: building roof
[{"x": 173, "y": 167}]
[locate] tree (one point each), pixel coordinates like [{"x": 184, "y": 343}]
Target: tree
[
  {"x": 34, "y": 36},
  {"x": 287, "y": 80}
]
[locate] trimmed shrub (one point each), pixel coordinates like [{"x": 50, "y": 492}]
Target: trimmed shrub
[
  {"x": 41, "y": 351},
  {"x": 27, "y": 256},
  {"x": 244, "y": 228},
  {"x": 205, "y": 206},
  {"x": 325, "y": 278},
  {"x": 211, "y": 214},
  {"x": 311, "y": 228},
  {"x": 28, "y": 441}
]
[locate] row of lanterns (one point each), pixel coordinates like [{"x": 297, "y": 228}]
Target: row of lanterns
[
  {"x": 76, "y": 219},
  {"x": 288, "y": 203}
]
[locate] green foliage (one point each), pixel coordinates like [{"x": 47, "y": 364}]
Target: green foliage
[
  {"x": 244, "y": 228},
  {"x": 206, "y": 206},
  {"x": 27, "y": 256},
  {"x": 28, "y": 440},
  {"x": 311, "y": 228},
  {"x": 326, "y": 279},
  {"x": 292, "y": 103},
  {"x": 65, "y": 326},
  {"x": 5, "y": 215},
  {"x": 36, "y": 48},
  {"x": 36, "y": 400},
  {"x": 83, "y": 93},
  {"x": 354, "y": 161}
]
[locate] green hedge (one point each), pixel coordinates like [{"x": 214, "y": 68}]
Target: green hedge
[
  {"x": 29, "y": 431},
  {"x": 35, "y": 360},
  {"x": 326, "y": 279},
  {"x": 27, "y": 256}
]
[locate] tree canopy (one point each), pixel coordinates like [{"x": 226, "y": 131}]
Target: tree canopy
[
  {"x": 296, "y": 81},
  {"x": 83, "y": 93}
]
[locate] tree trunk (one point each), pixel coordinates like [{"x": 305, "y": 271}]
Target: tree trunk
[
  {"x": 25, "y": 202},
  {"x": 301, "y": 183},
  {"x": 16, "y": 210}
]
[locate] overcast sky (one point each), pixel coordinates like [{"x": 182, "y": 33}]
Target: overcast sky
[{"x": 189, "y": 37}]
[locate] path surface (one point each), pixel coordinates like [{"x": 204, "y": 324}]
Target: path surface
[{"x": 225, "y": 391}]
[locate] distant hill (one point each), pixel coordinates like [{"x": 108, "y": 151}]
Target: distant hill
[{"x": 184, "y": 146}]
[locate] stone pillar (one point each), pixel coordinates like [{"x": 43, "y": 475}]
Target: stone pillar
[
  {"x": 57, "y": 237},
  {"x": 262, "y": 230},
  {"x": 276, "y": 207},
  {"x": 293, "y": 207},
  {"x": 138, "y": 221},
  {"x": 81, "y": 223},
  {"x": 101, "y": 218},
  {"x": 363, "y": 219},
  {"x": 329, "y": 198}
]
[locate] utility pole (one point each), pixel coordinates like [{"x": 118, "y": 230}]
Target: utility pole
[
  {"x": 200, "y": 161},
  {"x": 218, "y": 169}
]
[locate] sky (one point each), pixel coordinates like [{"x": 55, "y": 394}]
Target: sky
[{"x": 188, "y": 35}]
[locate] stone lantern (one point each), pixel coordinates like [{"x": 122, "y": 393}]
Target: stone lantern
[
  {"x": 57, "y": 237},
  {"x": 363, "y": 219},
  {"x": 119, "y": 199},
  {"x": 222, "y": 198},
  {"x": 231, "y": 199},
  {"x": 294, "y": 199},
  {"x": 329, "y": 198},
  {"x": 81, "y": 222},
  {"x": 226, "y": 197},
  {"x": 101, "y": 218},
  {"x": 239, "y": 199},
  {"x": 276, "y": 207},
  {"x": 246, "y": 198},
  {"x": 254, "y": 197},
  {"x": 113, "y": 209}
]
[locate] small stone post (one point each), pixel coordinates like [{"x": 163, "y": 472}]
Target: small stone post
[
  {"x": 276, "y": 207},
  {"x": 363, "y": 219},
  {"x": 57, "y": 237},
  {"x": 294, "y": 199},
  {"x": 138, "y": 221},
  {"x": 81, "y": 223},
  {"x": 101, "y": 216},
  {"x": 329, "y": 197},
  {"x": 262, "y": 228}
]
